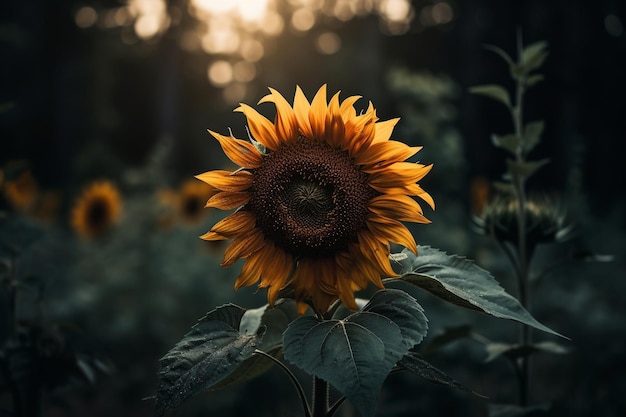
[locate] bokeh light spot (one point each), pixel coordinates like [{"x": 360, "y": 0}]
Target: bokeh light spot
[
  {"x": 220, "y": 73},
  {"x": 328, "y": 43},
  {"x": 251, "y": 50},
  {"x": 273, "y": 24},
  {"x": 86, "y": 17},
  {"x": 244, "y": 71},
  {"x": 302, "y": 19},
  {"x": 235, "y": 93},
  {"x": 396, "y": 10},
  {"x": 442, "y": 13}
]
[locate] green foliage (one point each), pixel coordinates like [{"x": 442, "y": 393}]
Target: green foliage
[
  {"x": 357, "y": 353},
  {"x": 525, "y": 136},
  {"x": 508, "y": 142},
  {"x": 523, "y": 169},
  {"x": 414, "y": 363},
  {"x": 354, "y": 351},
  {"x": 219, "y": 350},
  {"x": 532, "y": 134},
  {"x": 514, "y": 351},
  {"x": 493, "y": 91},
  {"x": 463, "y": 283}
]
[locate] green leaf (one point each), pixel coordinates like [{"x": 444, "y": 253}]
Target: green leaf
[
  {"x": 524, "y": 169},
  {"x": 274, "y": 321},
  {"x": 493, "y": 91},
  {"x": 533, "y": 56},
  {"x": 507, "y": 142},
  {"x": 513, "y": 410},
  {"x": 532, "y": 134},
  {"x": 534, "y": 79},
  {"x": 500, "y": 52},
  {"x": 461, "y": 282},
  {"x": 445, "y": 337},
  {"x": 414, "y": 363},
  {"x": 514, "y": 351},
  {"x": 356, "y": 354},
  {"x": 505, "y": 188},
  {"x": 404, "y": 311},
  {"x": 206, "y": 355}
]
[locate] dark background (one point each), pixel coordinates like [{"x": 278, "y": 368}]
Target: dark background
[{"x": 78, "y": 104}]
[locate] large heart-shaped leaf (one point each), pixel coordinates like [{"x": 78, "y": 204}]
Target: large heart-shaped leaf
[
  {"x": 219, "y": 351},
  {"x": 355, "y": 354},
  {"x": 274, "y": 321},
  {"x": 461, "y": 282}
]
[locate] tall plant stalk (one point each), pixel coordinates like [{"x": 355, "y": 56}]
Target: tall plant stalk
[
  {"x": 523, "y": 138},
  {"x": 522, "y": 255}
]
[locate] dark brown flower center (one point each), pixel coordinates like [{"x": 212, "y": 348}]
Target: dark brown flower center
[
  {"x": 192, "y": 206},
  {"x": 98, "y": 214},
  {"x": 310, "y": 199}
]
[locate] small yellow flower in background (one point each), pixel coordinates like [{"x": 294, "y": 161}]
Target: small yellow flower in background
[
  {"x": 97, "y": 209},
  {"x": 318, "y": 198},
  {"x": 192, "y": 197},
  {"x": 22, "y": 192}
]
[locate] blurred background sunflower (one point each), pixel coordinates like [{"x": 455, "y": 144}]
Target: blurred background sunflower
[{"x": 97, "y": 209}]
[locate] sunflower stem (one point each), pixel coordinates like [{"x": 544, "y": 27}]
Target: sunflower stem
[
  {"x": 292, "y": 378},
  {"x": 335, "y": 406},
  {"x": 320, "y": 397}
]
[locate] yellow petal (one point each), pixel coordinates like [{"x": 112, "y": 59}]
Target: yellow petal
[
  {"x": 234, "y": 225},
  {"x": 261, "y": 129},
  {"x": 397, "y": 174},
  {"x": 376, "y": 252},
  {"x": 407, "y": 189},
  {"x": 301, "y": 108},
  {"x": 228, "y": 200},
  {"x": 250, "y": 271},
  {"x": 344, "y": 289},
  {"x": 384, "y": 129},
  {"x": 363, "y": 271},
  {"x": 397, "y": 206},
  {"x": 317, "y": 114},
  {"x": 276, "y": 272},
  {"x": 227, "y": 181},
  {"x": 243, "y": 247},
  {"x": 285, "y": 122},
  {"x": 239, "y": 151},
  {"x": 360, "y": 132},
  {"x": 389, "y": 230},
  {"x": 385, "y": 153},
  {"x": 347, "y": 108},
  {"x": 335, "y": 129}
]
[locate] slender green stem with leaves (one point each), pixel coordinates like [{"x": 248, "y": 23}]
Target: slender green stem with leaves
[{"x": 519, "y": 143}]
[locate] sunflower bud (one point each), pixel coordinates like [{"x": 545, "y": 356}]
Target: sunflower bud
[{"x": 545, "y": 220}]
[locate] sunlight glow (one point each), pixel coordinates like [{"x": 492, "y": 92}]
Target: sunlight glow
[
  {"x": 151, "y": 17},
  {"x": 237, "y": 31}
]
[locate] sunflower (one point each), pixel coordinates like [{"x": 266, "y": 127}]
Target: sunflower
[
  {"x": 191, "y": 200},
  {"x": 97, "y": 209},
  {"x": 319, "y": 196}
]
